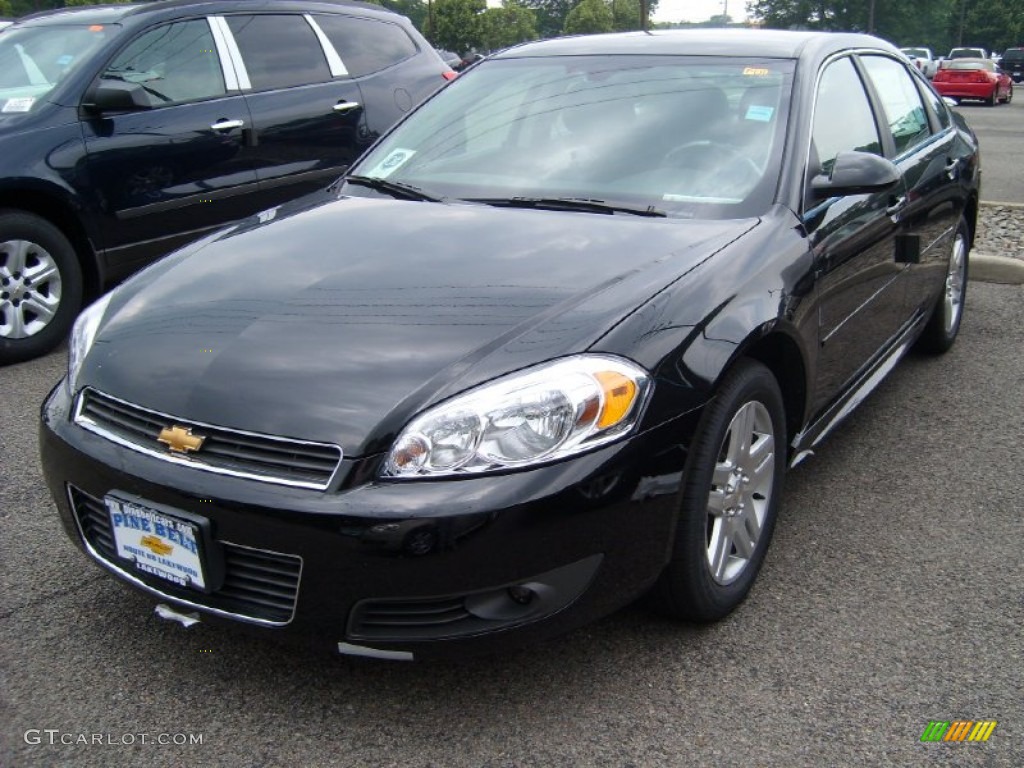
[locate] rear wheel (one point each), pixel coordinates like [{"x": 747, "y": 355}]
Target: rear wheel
[
  {"x": 991, "y": 100},
  {"x": 944, "y": 324},
  {"x": 40, "y": 286},
  {"x": 732, "y": 482}
]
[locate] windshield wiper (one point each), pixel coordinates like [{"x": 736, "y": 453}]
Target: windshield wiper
[
  {"x": 584, "y": 204},
  {"x": 394, "y": 188}
]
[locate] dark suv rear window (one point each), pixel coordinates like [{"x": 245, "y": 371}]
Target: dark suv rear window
[
  {"x": 279, "y": 51},
  {"x": 1013, "y": 55},
  {"x": 366, "y": 45}
]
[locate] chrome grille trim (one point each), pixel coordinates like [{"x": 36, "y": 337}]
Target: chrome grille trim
[
  {"x": 230, "y": 590},
  {"x": 261, "y": 448}
]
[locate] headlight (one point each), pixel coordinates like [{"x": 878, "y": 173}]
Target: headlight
[
  {"x": 82, "y": 337},
  {"x": 540, "y": 414}
]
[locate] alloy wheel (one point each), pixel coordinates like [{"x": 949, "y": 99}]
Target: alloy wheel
[
  {"x": 740, "y": 493},
  {"x": 30, "y": 288}
]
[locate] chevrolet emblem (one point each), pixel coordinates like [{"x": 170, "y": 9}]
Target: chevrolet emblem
[
  {"x": 180, "y": 439},
  {"x": 156, "y": 545}
]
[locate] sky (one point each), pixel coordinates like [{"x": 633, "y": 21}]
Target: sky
[{"x": 698, "y": 10}]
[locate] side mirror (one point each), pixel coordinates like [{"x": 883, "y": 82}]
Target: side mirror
[
  {"x": 856, "y": 173},
  {"x": 117, "y": 96}
]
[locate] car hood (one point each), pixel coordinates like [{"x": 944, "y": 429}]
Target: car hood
[{"x": 340, "y": 322}]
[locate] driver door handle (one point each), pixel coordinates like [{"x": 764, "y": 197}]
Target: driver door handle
[
  {"x": 226, "y": 125},
  {"x": 896, "y": 206},
  {"x": 344, "y": 107}
]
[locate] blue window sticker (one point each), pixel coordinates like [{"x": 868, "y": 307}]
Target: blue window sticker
[
  {"x": 395, "y": 160},
  {"x": 760, "y": 114},
  {"x": 64, "y": 60}
]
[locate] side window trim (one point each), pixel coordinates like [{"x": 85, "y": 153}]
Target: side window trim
[
  {"x": 334, "y": 62},
  {"x": 231, "y": 58}
]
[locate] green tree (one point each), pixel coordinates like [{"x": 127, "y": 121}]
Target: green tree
[
  {"x": 625, "y": 15},
  {"x": 459, "y": 25},
  {"x": 590, "y": 17},
  {"x": 415, "y": 10},
  {"x": 550, "y": 14},
  {"x": 510, "y": 24},
  {"x": 906, "y": 22}
]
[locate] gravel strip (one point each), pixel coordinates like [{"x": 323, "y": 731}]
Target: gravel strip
[{"x": 1000, "y": 230}]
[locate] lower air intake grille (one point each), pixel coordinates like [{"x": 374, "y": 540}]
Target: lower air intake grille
[{"x": 258, "y": 585}]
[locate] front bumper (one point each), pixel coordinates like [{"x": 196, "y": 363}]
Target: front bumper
[{"x": 428, "y": 568}]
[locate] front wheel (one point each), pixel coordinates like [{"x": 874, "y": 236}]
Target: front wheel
[
  {"x": 40, "y": 286},
  {"x": 944, "y": 323},
  {"x": 731, "y": 487}
]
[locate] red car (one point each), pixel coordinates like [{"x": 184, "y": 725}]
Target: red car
[{"x": 973, "y": 79}]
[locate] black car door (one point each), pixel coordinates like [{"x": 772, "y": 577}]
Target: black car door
[
  {"x": 163, "y": 174},
  {"x": 927, "y": 155},
  {"x": 307, "y": 112},
  {"x": 853, "y": 238}
]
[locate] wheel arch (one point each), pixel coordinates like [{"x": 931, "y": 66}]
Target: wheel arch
[
  {"x": 56, "y": 209},
  {"x": 776, "y": 347}
]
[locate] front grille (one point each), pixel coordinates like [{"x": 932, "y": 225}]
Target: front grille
[
  {"x": 259, "y": 585},
  {"x": 244, "y": 454}
]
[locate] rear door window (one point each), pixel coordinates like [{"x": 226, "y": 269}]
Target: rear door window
[
  {"x": 901, "y": 101},
  {"x": 366, "y": 45},
  {"x": 279, "y": 50}
]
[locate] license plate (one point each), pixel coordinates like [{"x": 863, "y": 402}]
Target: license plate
[{"x": 158, "y": 544}]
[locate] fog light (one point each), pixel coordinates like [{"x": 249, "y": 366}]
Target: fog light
[{"x": 521, "y": 595}]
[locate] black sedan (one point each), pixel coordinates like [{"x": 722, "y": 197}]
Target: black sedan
[{"x": 550, "y": 346}]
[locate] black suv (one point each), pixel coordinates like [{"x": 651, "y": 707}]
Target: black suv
[
  {"x": 1012, "y": 63},
  {"x": 129, "y": 130}
]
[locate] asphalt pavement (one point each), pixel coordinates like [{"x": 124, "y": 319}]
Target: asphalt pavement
[{"x": 892, "y": 596}]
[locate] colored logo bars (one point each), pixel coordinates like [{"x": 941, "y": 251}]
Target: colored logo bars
[{"x": 958, "y": 730}]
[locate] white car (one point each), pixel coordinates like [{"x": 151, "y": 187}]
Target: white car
[{"x": 923, "y": 59}]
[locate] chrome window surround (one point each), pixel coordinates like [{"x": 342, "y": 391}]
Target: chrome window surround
[
  {"x": 334, "y": 62},
  {"x": 229, "y": 53},
  {"x": 88, "y": 424}
]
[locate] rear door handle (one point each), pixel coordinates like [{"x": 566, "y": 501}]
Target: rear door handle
[
  {"x": 226, "y": 125},
  {"x": 952, "y": 169},
  {"x": 344, "y": 107}
]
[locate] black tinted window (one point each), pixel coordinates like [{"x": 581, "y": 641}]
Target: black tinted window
[
  {"x": 366, "y": 45},
  {"x": 174, "y": 63},
  {"x": 843, "y": 121},
  {"x": 279, "y": 51},
  {"x": 901, "y": 101}
]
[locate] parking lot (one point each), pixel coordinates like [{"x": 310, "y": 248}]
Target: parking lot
[{"x": 892, "y": 596}]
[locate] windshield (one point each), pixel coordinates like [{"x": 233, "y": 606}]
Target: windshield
[
  {"x": 919, "y": 53},
  {"x": 690, "y": 136},
  {"x": 34, "y": 59}
]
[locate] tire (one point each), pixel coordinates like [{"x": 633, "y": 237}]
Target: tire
[
  {"x": 40, "y": 286},
  {"x": 992, "y": 100},
  {"x": 710, "y": 571},
  {"x": 944, "y": 324},
  {"x": 1009, "y": 96}
]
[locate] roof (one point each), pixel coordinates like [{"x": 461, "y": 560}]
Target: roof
[
  {"x": 700, "y": 42},
  {"x": 112, "y": 13}
]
